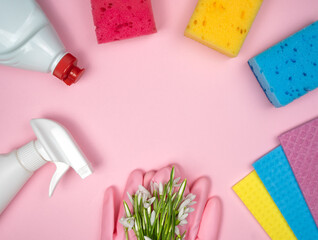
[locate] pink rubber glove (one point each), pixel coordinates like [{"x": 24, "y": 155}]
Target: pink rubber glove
[{"x": 203, "y": 223}]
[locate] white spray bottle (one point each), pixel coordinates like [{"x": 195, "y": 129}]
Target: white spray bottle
[
  {"x": 28, "y": 41},
  {"x": 53, "y": 144}
]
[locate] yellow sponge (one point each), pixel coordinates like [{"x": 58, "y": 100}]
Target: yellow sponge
[
  {"x": 254, "y": 195},
  {"x": 222, "y": 24}
]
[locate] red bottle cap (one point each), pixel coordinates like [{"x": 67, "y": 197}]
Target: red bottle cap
[{"x": 67, "y": 70}]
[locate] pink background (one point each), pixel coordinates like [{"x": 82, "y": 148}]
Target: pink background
[{"x": 145, "y": 103}]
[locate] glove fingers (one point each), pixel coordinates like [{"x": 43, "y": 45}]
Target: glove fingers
[
  {"x": 211, "y": 220},
  {"x": 108, "y": 214},
  {"x": 148, "y": 177},
  {"x": 134, "y": 180},
  {"x": 201, "y": 188},
  {"x": 163, "y": 175}
]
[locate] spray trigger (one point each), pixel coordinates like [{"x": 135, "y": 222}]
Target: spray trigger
[
  {"x": 56, "y": 144},
  {"x": 61, "y": 168}
]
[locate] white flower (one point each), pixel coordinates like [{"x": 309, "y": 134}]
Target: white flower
[
  {"x": 136, "y": 226},
  {"x": 183, "y": 217},
  {"x": 184, "y": 204},
  {"x": 147, "y": 238},
  {"x": 139, "y": 198},
  {"x": 190, "y": 196},
  {"x": 176, "y": 231},
  {"x": 154, "y": 187},
  {"x": 144, "y": 191},
  {"x": 127, "y": 222},
  {"x": 152, "y": 217},
  {"x": 183, "y": 222},
  {"x": 160, "y": 189},
  {"x": 181, "y": 213},
  {"x": 147, "y": 203},
  {"x": 189, "y": 210},
  {"x": 184, "y": 208},
  {"x": 175, "y": 182},
  {"x": 149, "y": 210},
  {"x": 188, "y": 201},
  {"x": 130, "y": 198}
]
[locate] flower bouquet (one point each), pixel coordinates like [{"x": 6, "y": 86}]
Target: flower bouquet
[{"x": 158, "y": 212}]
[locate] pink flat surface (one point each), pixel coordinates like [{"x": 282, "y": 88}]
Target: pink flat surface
[{"x": 144, "y": 103}]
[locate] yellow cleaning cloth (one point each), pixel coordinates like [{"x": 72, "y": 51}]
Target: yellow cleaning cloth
[
  {"x": 222, "y": 24},
  {"x": 254, "y": 195}
]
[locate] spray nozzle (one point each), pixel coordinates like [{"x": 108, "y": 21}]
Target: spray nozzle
[{"x": 57, "y": 145}]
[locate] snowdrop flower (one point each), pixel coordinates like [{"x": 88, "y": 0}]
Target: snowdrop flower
[
  {"x": 139, "y": 198},
  {"x": 188, "y": 201},
  {"x": 143, "y": 194},
  {"x": 182, "y": 214},
  {"x": 154, "y": 187},
  {"x": 176, "y": 231},
  {"x": 184, "y": 208},
  {"x": 183, "y": 217},
  {"x": 136, "y": 226},
  {"x": 183, "y": 222},
  {"x": 144, "y": 191},
  {"x": 160, "y": 189},
  {"x": 130, "y": 198},
  {"x": 175, "y": 182},
  {"x": 127, "y": 222},
  {"x": 190, "y": 196},
  {"x": 152, "y": 217},
  {"x": 189, "y": 210},
  {"x": 184, "y": 204},
  {"x": 148, "y": 202}
]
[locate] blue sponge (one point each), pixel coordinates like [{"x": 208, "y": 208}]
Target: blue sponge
[
  {"x": 289, "y": 69},
  {"x": 277, "y": 176}
]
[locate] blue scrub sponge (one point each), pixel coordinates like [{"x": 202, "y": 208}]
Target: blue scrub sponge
[
  {"x": 289, "y": 69},
  {"x": 277, "y": 176}
]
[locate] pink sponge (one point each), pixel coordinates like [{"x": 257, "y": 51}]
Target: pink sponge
[
  {"x": 121, "y": 19},
  {"x": 301, "y": 147}
]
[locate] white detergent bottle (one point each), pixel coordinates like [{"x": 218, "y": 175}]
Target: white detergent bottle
[
  {"x": 28, "y": 41},
  {"x": 53, "y": 144}
]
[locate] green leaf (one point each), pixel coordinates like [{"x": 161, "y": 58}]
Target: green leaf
[
  {"x": 180, "y": 194},
  {"x": 171, "y": 181},
  {"x": 127, "y": 210}
]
